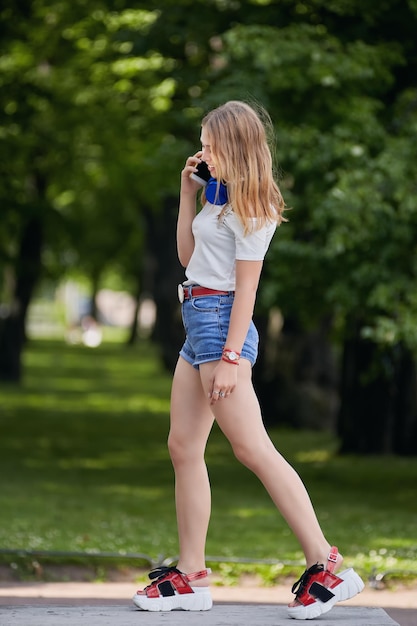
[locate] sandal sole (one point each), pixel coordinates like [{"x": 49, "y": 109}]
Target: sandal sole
[{"x": 197, "y": 601}]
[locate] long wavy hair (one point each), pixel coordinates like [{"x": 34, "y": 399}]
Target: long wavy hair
[{"x": 240, "y": 140}]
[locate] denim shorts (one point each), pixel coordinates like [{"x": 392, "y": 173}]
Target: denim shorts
[{"x": 206, "y": 322}]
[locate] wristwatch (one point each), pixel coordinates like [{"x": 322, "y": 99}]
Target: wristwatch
[{"x": 232, "y": 356}]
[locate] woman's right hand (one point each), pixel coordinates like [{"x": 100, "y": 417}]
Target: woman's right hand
[{"x": 188, "y": 185}]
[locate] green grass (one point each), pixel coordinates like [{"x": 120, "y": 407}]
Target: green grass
[{"x": 84, "y": 467}]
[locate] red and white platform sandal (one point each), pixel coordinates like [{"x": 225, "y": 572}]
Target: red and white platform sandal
[
  {"x": 172, "y": 590},
  {"x": 318, "y": 589}
]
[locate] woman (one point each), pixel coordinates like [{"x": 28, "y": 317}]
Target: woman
[{"x": 222, "y": 248}]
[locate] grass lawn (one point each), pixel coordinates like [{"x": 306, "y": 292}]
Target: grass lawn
[{"x": 84, "y": 467}]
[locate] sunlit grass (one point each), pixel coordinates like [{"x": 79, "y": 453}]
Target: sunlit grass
[{"x": 84, "y": 467}]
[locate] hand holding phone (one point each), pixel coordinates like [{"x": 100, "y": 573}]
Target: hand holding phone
[{"x": 202, "y": 175}]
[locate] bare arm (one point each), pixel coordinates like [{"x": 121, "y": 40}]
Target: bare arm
[
  {"x": 247, "y": 279},
  {"x": 187, "y": 210}
]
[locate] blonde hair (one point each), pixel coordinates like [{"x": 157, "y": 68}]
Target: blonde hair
[{"x": 239, "y": 141}]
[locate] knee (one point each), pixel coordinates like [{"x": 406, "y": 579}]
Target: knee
[
  {"x": 256, "y": 453},
  {"x": 175, "y": 449},
  {"x": 181, "y": 450},
  {"x": 248, "y": 456}
]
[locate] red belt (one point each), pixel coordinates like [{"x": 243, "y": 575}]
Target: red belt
[{"x": 184, "y": 293}]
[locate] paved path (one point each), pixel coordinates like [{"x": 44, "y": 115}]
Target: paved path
[
  {"x": 108, "y": 604},
  {"x": 220, "y": 615}
]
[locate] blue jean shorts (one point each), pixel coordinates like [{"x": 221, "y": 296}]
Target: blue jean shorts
[{"x": 206, "y": 322}]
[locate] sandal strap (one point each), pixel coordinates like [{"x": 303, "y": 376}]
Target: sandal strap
[
  {"x": 160, "y": 572},
  {"x": 332, "y": 559},
  {"x": 300, "y": 586},
  {"x": 317, "y": 582},
  {"x": 169, "y": 580},
  {"x": 197, "y": 575}
]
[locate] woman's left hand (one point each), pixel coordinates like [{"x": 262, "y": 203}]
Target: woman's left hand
[{"x": 222, "y": 381}]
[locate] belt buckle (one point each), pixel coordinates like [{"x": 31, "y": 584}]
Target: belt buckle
[{"x": 181, "y": 293}]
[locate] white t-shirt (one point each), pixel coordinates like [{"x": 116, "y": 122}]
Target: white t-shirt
[{"x": 219, "y": 243}]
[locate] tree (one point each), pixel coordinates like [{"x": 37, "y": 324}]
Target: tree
[
  {"x": 346, "y": 135},
  {"x": 76, "y": 107},
  {"x": 100, "y": 107}
]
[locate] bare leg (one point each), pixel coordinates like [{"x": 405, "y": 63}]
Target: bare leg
[
  {"x": 191, "y": 423},
  {"x": 240, "y": 419}
]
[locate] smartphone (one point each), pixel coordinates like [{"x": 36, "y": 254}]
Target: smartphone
[{"x": 202, "y": 175}]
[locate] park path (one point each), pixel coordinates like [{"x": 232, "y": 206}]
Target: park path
[{"x": 73, "y": 603}]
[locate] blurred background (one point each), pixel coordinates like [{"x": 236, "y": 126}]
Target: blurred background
[{"x": 100, "y": 104}]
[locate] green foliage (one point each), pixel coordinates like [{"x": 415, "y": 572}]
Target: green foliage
[
  {"x": 84, "y": 467},
  {"x": 100, "y": 102},
  {"x": 80, "y": 107},
  {"x": 345, "y": 111}
]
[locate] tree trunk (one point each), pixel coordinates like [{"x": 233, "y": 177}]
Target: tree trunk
[
  {"x": 296, "y": 376},
  {"x": 168, "y": 331},
  {"x": 378, "y": 413},
  {"x": 95, "y": 283},
  {"x": 11, "y": 342},
  {"x": 27, "y": 273},
  {"x": 145, "y": 277},
  {"x": 133, "y": 329}
]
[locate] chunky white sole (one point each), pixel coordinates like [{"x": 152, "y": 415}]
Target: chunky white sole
[
  {"x": 200, "y": 600},
  {"x": 352, "y": 585}
]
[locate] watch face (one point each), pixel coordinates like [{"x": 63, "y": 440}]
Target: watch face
[{"x": 232, "y": 356}]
